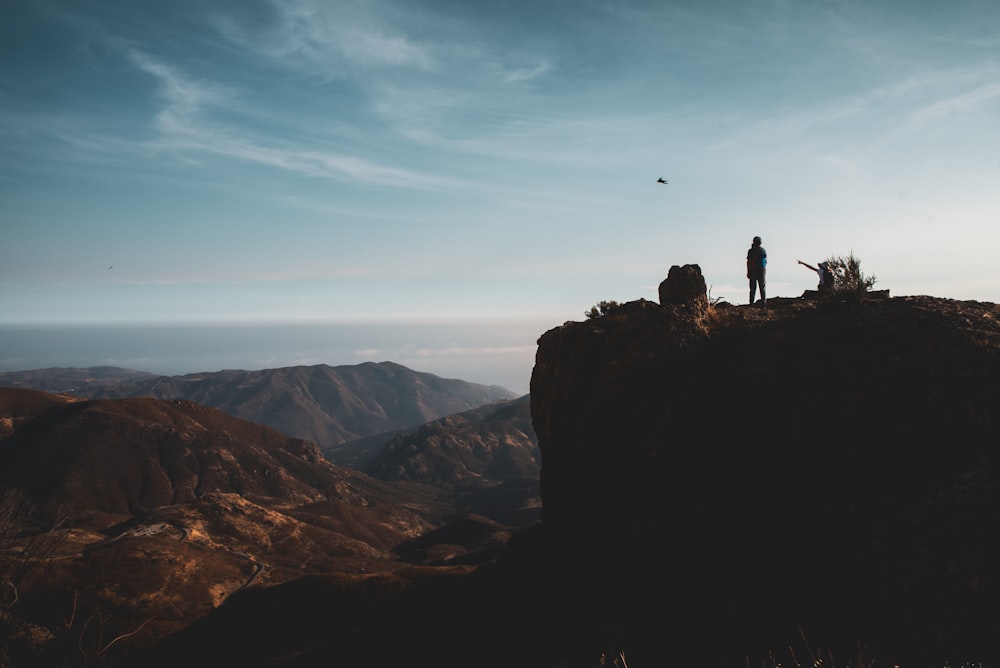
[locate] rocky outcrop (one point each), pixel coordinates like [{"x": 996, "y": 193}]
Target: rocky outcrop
[
  {"x": 683, "y": 285},
  {"x": 718, "y": 481}
]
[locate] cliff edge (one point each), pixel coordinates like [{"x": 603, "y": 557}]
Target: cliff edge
[{"x": 719, "y": 481}]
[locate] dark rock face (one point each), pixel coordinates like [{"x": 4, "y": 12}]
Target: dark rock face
[{"x": 714, "y": 480}]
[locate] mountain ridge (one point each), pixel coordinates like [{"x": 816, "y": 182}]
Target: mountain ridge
[{"x": 325, "y": 404}]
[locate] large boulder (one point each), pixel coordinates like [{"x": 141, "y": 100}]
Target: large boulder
[{"x": 684, "y": 285}]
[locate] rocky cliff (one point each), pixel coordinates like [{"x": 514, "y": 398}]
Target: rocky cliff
[{"x": 721, "y": 481}]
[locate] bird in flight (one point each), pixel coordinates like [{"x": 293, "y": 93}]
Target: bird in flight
[{"x": 660, "y": 180}]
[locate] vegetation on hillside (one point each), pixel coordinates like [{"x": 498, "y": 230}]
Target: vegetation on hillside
[
  {"x": 848, "y": 279},
  {"x": 601, "y": 309}
]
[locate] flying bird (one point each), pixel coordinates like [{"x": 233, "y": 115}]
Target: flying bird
[{"x": 660, "y": 180}]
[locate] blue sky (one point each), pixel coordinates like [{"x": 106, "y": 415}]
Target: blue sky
[{"x": 394, "y": 163}]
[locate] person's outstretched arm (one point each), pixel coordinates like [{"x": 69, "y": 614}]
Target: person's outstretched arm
[{"x": 808, "y": 265}]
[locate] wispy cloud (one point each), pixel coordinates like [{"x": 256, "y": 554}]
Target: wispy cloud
[
  {"x": 887, "y": 112},
  {"x": 324, "y": 33},
  {"x": 184, "y": 99},
  {"x": 967, "y": 102},
  {"x": 525, "y": 74},
  {"x": 427, "y": 76},
  {"x": 186, "y": 126}
]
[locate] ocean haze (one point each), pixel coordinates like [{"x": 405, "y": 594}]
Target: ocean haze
[{"x": 492, "y": 353}]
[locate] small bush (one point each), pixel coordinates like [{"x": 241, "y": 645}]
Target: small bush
[
  {"x": 601, "y": 309},
  {"x": 849, "y": 281}
]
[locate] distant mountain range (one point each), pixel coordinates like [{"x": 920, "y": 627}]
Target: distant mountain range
[
  {"x": 327, "y": 405},
  {"x": 383, "y": 419}
]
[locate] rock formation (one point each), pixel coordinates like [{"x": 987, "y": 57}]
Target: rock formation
[{"x": 683, "y": 285}]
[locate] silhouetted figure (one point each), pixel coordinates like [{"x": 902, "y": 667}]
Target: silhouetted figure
[
  {"x": 757, "y": 271},
  {"x": 660, "y": 180},
  {"x": 824, "y": 274}
]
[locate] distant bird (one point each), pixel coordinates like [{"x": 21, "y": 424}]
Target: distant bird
[
  {"x": 660, "y": 180},
  {"x": 111, "y": 267}
]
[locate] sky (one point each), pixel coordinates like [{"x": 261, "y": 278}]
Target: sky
[{"x": 440, "y": 182}]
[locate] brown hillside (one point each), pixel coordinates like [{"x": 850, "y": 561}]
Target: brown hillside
[
  {"x": 151, "y": 513},
  {"x": 491, "y": 443}
]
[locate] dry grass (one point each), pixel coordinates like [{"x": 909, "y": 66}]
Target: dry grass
[{"x": 803, "y": 655}]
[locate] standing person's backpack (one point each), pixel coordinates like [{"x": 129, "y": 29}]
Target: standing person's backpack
[{"x": 756, "y": 258}]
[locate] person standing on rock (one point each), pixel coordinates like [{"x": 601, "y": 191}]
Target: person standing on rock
[{"x": 757, "y": 271}]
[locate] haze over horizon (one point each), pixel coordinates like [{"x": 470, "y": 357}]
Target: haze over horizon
[
  {"x": 475, "y": 167},
  {"x": 485, "y": 353}
]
